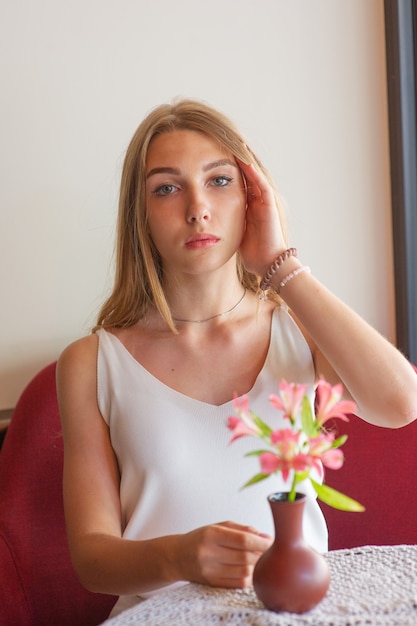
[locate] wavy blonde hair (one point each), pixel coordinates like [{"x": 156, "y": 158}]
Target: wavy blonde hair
[{"x": 138, "y": 270}]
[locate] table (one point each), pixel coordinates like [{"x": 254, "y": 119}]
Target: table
[{"x": 372, "y": 586}]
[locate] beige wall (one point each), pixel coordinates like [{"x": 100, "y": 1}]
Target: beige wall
[{"x": 304, "y": 79}]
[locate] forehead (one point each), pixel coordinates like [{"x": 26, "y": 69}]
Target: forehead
[{"x": 183, "y": 144}]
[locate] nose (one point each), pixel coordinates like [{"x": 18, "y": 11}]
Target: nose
[{"x": 198, "y": 208}]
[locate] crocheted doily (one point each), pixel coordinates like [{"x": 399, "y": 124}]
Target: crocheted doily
[{"x": 370, "y": 586}]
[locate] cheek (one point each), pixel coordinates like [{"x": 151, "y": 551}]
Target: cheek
[
  {"x": 164, "y": 231},
  {"x": 155, "y": 231},
  {"x": 239, "y": 217}
]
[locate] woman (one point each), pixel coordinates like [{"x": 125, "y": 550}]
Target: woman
[{"x": 151, "y": 487}]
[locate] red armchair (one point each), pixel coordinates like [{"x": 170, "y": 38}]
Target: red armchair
[
  {"x": 380, "y": 470},
  {"x": 38, "y": 586}
]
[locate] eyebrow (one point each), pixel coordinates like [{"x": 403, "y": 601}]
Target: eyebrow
[
  {"x": 211, "y": 166},
  {"x": 174, "y": 170}
]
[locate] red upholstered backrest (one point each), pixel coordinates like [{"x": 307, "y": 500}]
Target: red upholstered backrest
[
  {"x": 380, "y": 470},
  {"x": 38, "y": 586}
]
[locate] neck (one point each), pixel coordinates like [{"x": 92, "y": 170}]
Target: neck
[
  {"x": 202, "y": 295},
  {"x": 215, "y": 315}
]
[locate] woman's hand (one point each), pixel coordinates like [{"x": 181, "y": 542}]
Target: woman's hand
[
  {"x": 263, "y": 239},
  {"x": 221, "y": 555}
]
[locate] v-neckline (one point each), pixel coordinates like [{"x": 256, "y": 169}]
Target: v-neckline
[{"x": 180, "y": 394}]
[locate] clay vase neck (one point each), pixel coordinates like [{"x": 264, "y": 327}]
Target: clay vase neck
[{"x": 290, "y": 576}]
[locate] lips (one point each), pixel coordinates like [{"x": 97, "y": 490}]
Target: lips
[{"x": 201, "y": 240}]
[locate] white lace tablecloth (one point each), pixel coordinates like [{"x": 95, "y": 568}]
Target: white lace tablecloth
[{"x": 372, "y": 586}]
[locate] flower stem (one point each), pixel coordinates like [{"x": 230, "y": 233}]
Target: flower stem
[{"x": 292, "y": 493}]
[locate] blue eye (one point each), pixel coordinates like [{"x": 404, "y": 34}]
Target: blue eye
[
  {"x": 221, "y": 181},
  {"x": 164, "y": 190}
]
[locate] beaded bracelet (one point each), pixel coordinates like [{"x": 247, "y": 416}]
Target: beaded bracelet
[
  {"x": 291, "y": 275},
  {"x": 265, "y": 282}
]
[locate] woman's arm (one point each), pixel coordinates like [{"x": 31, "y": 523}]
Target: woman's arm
[
  {"x": 375, "y": 374},
  {"x": 344, "y": 346},
  {"x": 222, "y": 554}
]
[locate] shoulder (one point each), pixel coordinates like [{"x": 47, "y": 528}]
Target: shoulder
[
  {"x": 77, "y": 387},
  {"x": 79, "y": 353},
  {"x": 77, "y": 365}
]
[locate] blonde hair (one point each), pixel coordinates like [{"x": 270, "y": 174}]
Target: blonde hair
[{"x": 138, "y": 271}]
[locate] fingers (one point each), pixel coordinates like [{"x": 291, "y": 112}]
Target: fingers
[
  {"x": 230, "y": 560},
  {"x": 263, "y": 238},
  {"x": 257, "y": 187},
  {"x": 231, "y": 576},
  {"x": 224, "y": 554},
  {"x": 243, "y": 538}
]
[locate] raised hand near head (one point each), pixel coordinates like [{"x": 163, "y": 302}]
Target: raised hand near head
[{"x": 263, "y": 239}]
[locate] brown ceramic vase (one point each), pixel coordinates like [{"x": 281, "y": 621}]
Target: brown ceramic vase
[{"x": 290, "y": 575}]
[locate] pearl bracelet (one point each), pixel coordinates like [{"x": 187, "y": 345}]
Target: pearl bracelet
[
  {"x": 291, "y": 275},
  {"x": 266, "y": 281}
]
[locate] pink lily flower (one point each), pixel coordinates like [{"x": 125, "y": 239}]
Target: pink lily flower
[
  {"x": 320, "y": 444},
  {"x": 241, "y": 406},
  {"x": 286, "y": 442},
  {"x": 329, "y": 403},
  {"x": 321, "y": 451},
  {"x": 289, "y": 399},
  {"x": 333, "y": 459},
  {"x": 271, "y": 463},
  {"x": 240, "y": 428},
  {"x": 303, "y": 449},
  {"x": 243, "y": 425}
]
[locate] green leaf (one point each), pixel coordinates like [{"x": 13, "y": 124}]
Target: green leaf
[
  {"x": 256, "y": 453},
  {"x": 255, "y": 479},
  {"x": 263, "y": 427},
  {"x": 336, "y": 499},
  {"x": 339, "y": 441},
  {"x": 308, "y": 422}
]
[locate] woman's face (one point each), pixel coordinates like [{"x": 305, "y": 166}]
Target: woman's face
[{"x": 195, "y": 200}]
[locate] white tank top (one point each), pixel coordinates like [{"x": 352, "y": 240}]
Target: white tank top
[{"x": 178, "y": 471}]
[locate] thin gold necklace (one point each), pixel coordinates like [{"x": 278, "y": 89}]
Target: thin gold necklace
[{"x": 213, "y": 317}]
